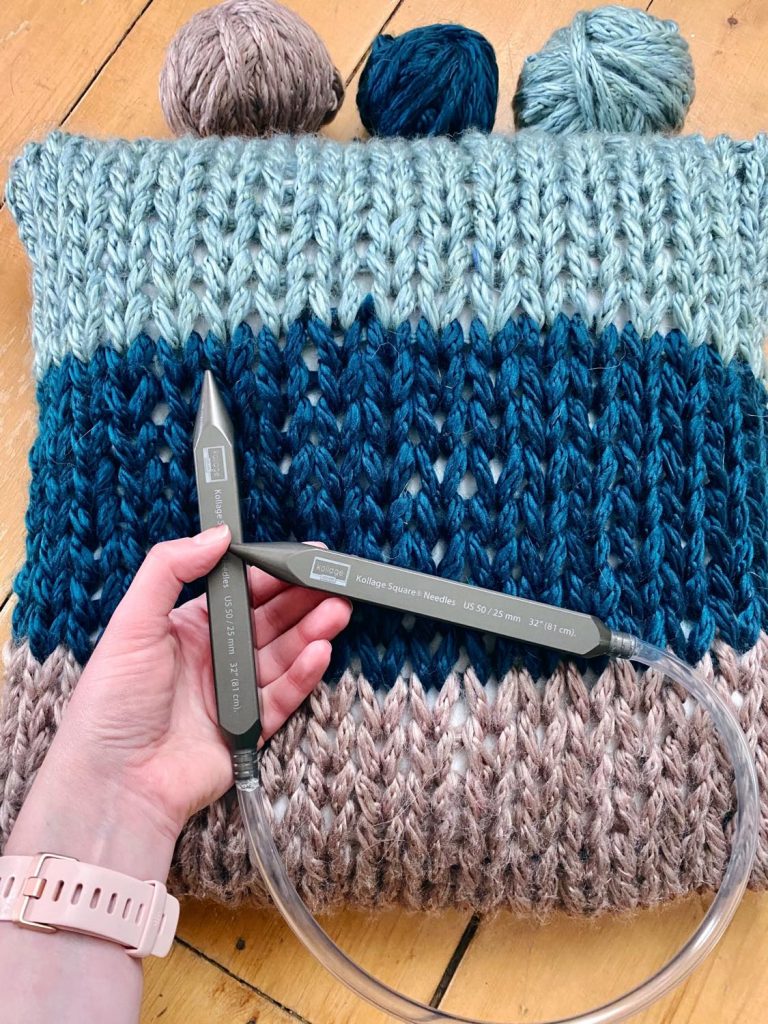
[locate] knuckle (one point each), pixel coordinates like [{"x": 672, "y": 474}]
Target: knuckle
[
  {"x": 156, "y": 554},
  {"x": 161, "y": 553}
]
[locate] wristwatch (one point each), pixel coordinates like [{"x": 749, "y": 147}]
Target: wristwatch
[{"x": 48, "y": 892}]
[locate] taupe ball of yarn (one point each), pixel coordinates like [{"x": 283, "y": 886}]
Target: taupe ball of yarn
[{"x": 248, "y": 67}]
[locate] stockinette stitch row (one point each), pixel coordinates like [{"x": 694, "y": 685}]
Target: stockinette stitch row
[
  {"x": 556, "y": 800},
  {"x": 529, "y": 362},
  {"x": 538, "y": 433},
  {"x": 486, "y": 225}
]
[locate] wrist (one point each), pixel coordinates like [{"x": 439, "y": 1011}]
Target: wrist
[{"x": 75, "y": 811}]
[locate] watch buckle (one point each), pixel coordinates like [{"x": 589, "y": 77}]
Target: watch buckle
[{"x": 33, "y": 889}]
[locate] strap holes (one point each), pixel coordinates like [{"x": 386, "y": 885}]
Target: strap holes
[
  {"x": 9, "y": 885},
  {"x": 95, "y": 898},
  {"x": 77, "y": 892},
  {"x": 57, "y": 890},
  {"x": 127, "y": 908},
  {"x": 139, "y": 912},
  {"x": 112, "y": 902}
]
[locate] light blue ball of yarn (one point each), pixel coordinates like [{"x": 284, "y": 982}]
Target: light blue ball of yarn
[
  {"x": 436, "y": 80},
  {"x": 613, "y": 69}
]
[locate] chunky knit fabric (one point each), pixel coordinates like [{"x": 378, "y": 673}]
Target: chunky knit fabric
[{"x": 532, "y": 363}]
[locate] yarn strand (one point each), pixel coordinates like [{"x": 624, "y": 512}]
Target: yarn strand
[
  {"x": 248, "y": 67},
  {"x": 614, "y": 69}
]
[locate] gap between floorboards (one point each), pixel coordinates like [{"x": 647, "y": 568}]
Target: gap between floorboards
[
  {"x": 367, "y": 51},
  {"x": 243, "y": 981},
  {"x": 453, "y": 964},
  {"x": 97, "y": 72}
]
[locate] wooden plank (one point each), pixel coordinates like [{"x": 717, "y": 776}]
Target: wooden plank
[
  {"x": 540, "y": 972},
  {"x": 48, "y": 54},
  {"x": 730, "y": 57},
  {"x": 184, "y": 988},
  {"x": 731, "y": 97},
  {"x": 124, "y": 99},
  {"x": 409, "y": 951},
  {"x": 17, "y": 400}
]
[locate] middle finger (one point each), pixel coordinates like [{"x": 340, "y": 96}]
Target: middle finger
[{"x": 272, "y": 618}]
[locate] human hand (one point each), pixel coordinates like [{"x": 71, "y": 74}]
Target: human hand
[{"x": 139, "y": 738}]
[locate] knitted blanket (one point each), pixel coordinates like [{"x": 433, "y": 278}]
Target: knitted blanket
[{"x": 533, "y": 363}]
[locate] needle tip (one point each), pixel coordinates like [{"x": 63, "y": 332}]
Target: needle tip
[{"x": 211, "y": 410}]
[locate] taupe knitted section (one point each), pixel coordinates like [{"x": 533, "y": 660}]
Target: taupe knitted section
[
  {"x": 34, "y": 697},
  {"x": 588, "y": 794}
]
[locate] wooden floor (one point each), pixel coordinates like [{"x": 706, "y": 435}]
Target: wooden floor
[{"x": 92, "y": 66}]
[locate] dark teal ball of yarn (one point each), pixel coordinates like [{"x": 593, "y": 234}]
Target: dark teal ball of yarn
[{"x": 437, "y": 80}]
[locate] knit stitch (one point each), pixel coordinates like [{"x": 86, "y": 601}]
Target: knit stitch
[
  {"x": 588, "y": 793},
  {"x": 610, "y": 474},
  {"x": 210, "y": 233},
  {"x": 532, "y": 363}
]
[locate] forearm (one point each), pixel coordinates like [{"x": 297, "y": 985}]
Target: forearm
[
  {"x": 139, "y": 751},
  {"x": 64, "y": 976},
  {"x": 67, "y": 978}
]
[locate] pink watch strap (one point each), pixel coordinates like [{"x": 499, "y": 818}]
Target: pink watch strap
[{"x": 49, "y": 892}]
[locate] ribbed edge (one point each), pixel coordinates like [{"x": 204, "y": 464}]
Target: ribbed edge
[
  {"x": 591, "y": 795},
  {"x": 665, "y": 233}
]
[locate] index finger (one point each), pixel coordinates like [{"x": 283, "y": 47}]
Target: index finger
[{"x": 261, "y": 586}]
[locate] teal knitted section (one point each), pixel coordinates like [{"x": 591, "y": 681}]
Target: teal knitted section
[
  {"x": 170, "y": 238},
  {"x": 605, "y": 473}
]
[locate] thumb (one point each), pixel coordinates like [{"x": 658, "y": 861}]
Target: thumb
[{"x": 168, "y": 566}]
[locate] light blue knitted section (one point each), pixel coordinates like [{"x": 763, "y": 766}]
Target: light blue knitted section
[{"x": 169, "y": 238}]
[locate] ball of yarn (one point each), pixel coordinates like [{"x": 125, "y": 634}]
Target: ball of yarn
[
  {"x": 613, "y": 69},
  {"x": 437, "y": 80},
  {"x": 248, "y": 67}
]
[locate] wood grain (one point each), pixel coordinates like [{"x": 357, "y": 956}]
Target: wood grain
[
  {"x": 728, "y": 44},
  {"x": 48, "y": 54},
  {"x": 541, "y": 972},
  {"x": 185, "y": 988},
  {"x": 407, "y": 951}
]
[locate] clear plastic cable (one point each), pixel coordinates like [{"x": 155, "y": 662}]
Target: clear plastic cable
[{"x": 256, "y": 816}]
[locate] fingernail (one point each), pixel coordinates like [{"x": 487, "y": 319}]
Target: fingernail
[{"x": 215, "y": 535}]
